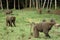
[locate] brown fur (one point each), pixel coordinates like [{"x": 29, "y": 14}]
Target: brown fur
[
  {"x": 8, "y": 12},
  {"x": 43, "y": 27},
  {"x": 48, "y": 11},
  {"x": 43, "y": 20},
  {"x": 39, "y": 11},
  {"x": 10, "y": 20},
  {"x": 57, "y": 12}
]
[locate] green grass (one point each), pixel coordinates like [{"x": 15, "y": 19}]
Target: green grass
[{"x": 23, "y": 20}]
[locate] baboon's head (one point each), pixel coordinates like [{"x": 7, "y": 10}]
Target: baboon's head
[
  {"x": 48, "y": 11},
  {"x": 43, "y": 20},
  {"x": 53, "y": 21}
]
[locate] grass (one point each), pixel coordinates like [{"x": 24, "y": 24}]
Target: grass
[{"x": 22, "y": 29}]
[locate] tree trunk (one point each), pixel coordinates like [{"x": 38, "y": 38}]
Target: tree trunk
[
  {"x": 7, "y": 4},
  {"x": 50, "y": 4},
  {"x": 18, "y": 5},
  {"x": 36, "y": 4},
  {"x": 33, "y": 3},
  {"x": 55, "y": 4},
  {"x": 30, "y": 3},
  {"x": 25, "y": 3},
  {"x": 41, "y": 3},
  {"x": 44, "y": 3},
  {"x": 1, "y": 4},
  {"x": 14, "y": 4}
]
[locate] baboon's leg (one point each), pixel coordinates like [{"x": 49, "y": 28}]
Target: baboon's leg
[
  {"x": 10, "y": 23},
  {"x": 7, "y": 23},
  {"x": 40, "y": 12},
  {"x": 14, "y": 23},
  {"x": 46, "y": 33},
  {"x": 35, "y": 33}
]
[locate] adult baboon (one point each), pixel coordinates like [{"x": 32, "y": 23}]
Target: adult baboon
[
  {"x": 8, "y": 11},
  {"x": 33, "y": 24},
  {"x": 44, "y": 27},
  {"x": 10, "y": 20}
]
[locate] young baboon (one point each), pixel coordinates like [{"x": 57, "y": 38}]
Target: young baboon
[
  {"x": 39, "y": 11},
  {"x": 48, "y": 11},
  {"x": 10, "y": 20},
  {"x": 44, "y": 27},
  {"x": 8, "y": 12},
  {"x": 57, "y": 12}
]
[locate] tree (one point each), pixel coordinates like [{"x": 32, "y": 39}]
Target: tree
[
  {"x": 18, "y": 5},
  {"x": 41, "y": 3},
  {"x": 36, "y": 4},
  {"x": 7, "y": 4},
  {"x": 55, "y": 4},
  {"x": 33, "y": 3},
  {"x": 44, "y": 3},
  {"x": 1, "y": 4},
  {"x": 30, "y": 3},
  {"x": 25, "y": 3},
  {"x": 14, "y": 4},
  {"x": 48, "y": 4}
]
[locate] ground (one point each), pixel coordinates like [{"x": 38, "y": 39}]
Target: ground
[{"x": 22, "y": 29}]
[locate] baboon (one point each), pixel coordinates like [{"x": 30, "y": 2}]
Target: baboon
[
  {"x": 10, "y": 20},
  {"x": 48, "y": 11},
  {"x": 44, "y": 27},
  {"x": 8, "y": 12},
  {"x": 39, "y": 11},
  {"x": 57, "y": 12},
  {"x": 33, "y": 24}
]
